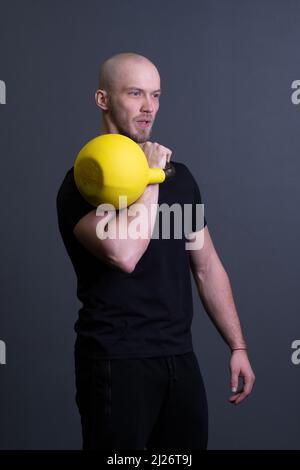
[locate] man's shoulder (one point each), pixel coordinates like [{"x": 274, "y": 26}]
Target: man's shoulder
[
  {"x": 182, "y": 169},
  {"x": 69, "y": 175},
  {"x": 67, "y": 182}
]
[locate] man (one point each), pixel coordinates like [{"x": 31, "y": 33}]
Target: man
[{"x": 138, "y": 382}]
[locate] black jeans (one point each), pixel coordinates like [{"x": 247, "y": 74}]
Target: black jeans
[{"x": 154, "y": 403}]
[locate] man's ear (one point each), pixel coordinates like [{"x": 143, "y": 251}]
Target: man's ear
[{"x": 101, "y": 98}]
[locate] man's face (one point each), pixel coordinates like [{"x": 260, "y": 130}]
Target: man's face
[{"x": 135, "y": 101}]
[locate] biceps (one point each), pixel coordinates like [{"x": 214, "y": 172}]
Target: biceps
[{"x": 87, "y": 234}]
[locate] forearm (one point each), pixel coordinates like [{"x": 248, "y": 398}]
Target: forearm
[
  {"x": 216, "y": 295},
  {"x": 125, "y": 247}
]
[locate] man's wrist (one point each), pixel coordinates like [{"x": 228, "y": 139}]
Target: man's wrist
[{"x": 242, "y": 347}]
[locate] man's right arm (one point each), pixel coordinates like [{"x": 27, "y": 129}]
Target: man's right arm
[
  {"x": 125, "y": 252},
  {"x": 120, "y": 253}
]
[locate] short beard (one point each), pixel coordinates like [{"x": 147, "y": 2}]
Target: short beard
[{"x": 136, "y": 137}]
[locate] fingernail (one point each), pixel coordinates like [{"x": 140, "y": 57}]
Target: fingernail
[{"x": 233, "y": 389}]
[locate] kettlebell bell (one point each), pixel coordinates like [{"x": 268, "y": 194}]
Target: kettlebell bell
[{"x": 113, "y": 165}]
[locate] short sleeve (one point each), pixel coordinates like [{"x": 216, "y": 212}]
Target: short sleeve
[{"x": 70, "y": 205}]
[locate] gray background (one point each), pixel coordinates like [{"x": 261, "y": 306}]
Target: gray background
[{"x": 226, "y": 68}]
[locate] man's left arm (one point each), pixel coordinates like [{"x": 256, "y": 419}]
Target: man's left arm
[{"x": 215, "y": 292}]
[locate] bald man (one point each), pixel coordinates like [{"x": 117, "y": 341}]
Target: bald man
[{"x": 138, "y": 381}]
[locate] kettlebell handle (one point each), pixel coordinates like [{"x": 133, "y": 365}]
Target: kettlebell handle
[
  {"x": 169, "y": 170},
  {"x": 159, "y": 175}
]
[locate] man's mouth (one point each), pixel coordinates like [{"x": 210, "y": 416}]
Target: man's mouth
[{"x": 143, "y": 124}]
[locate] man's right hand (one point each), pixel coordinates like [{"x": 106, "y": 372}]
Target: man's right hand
[{"x": 157, "y": 155}]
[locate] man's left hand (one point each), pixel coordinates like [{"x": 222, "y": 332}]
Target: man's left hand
[{"x": 240, "y": 367}]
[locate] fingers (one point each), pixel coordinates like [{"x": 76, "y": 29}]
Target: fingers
[
  {"x": 234, "y": 386},
  {"x": 237, "y": 398},
  {"x": 157, "y": 155},
  {"x": 234, "y": 380},
  {"x": 168, "y": 156},
  {"x": 166, "y": 152},
  {"x": 240, "y": 395}
]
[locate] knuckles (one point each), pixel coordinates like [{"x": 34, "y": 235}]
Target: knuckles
[{"x": 157, "y": 148}]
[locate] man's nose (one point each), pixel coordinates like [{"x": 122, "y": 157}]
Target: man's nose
[{"x": 147, "y": 105}]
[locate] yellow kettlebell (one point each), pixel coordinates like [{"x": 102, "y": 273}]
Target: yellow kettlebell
[{"x": 113, "y": 165}]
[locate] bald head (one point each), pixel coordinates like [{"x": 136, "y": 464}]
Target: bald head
[
  {"x": 116, "y": 68},
  {"x": 128, "y": 95}
]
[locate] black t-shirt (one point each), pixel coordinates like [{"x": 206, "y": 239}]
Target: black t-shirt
[{"x": 149, "y": 311}]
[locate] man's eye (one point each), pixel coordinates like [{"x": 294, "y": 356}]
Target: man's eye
[{"x": 135, "y": 93}]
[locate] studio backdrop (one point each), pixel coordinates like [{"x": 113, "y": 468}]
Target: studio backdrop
[{"x": 230, "y": 111}]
